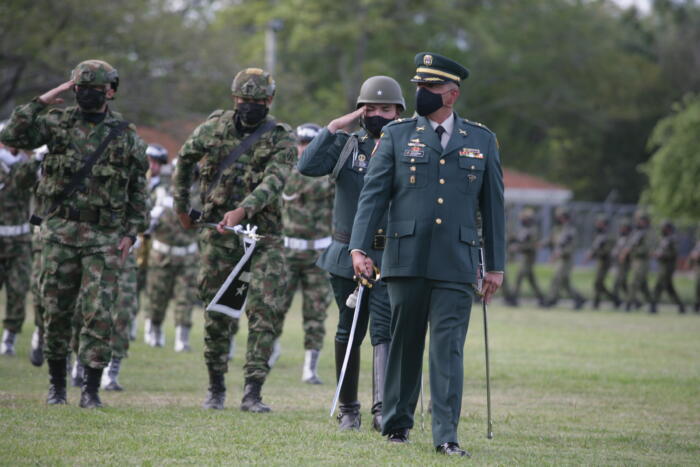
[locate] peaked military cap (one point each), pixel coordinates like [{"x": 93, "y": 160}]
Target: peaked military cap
[{"x": 434, "y": 68}]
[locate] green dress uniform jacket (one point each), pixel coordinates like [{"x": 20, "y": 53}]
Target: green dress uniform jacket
[
  {"x": 318, "y": 159},
  {"x": 435, "y": 196}
]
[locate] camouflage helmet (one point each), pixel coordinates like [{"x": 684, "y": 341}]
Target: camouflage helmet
[
  {"x": 526, "y": 214},
  {"x": 562, "y": 211},
  {"x": 95, "y": 73},
  {"x": 625, "y": 223},
  {"x": 307, "y": 132},
  {"x": 602, "y": 219},
  {"x": 641, "y": 214},
  {"x": 666, "y": 224},
  {"x": 381, "y": 90},
  {"x": 158, "y": 153},
  {"x": 253, "y": 83}
]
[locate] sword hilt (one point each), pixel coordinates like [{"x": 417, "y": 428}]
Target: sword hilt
[{"x": 368, "y": 281}]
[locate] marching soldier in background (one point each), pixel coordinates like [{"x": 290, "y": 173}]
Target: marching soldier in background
[
  {"x": 36, "y": 353},
  {"x": 173, "y": 263},
  {"x": 93, "y": 190},
  {"x": 248, "y": 159},
  {"x": 638, "y": 250},
  {"x": 432, "y": 173},
  {"x": 18, "y": 174},
  {"x": 157, "y": 161},
  {"x": 307, "y": 205},
  {"x": 563, "y": 245},
  {"x": 525, "y": 245},
  {"x": 621, "y": 260},
  {"x": 666, "y": 254},
  {"x": 345, "y": 157},
  {"x": 601, "y": 251},
  {"x": 695, "y": 264}
]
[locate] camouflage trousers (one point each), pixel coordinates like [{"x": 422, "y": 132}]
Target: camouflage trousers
[
  {"x": 303, "y": 273},
  {"x": 125, "y": 308},
  {"x": 174, "y": 278},
  {"x": 639, "y": 285},
  {"x": 561, "y": 281},
  {"x": 79, "y": 283},
  {"x": 620, "y": 288},
  {"x": 664, "y": 283},
  {"x": 15, "y": 272},
  {"x": 263, "y": 308},
  {"x": 526, "y": 272},
  {"x": 600, "y": 290}
]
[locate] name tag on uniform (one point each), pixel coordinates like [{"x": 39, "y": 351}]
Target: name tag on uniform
[
  {"x": 471, "y": 153},
  {"x": 414, "y": 151}
]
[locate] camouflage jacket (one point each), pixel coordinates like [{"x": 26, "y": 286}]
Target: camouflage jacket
[
  {"x": 307, "y": 206},
  {"x": 16, "y": 184},
  {"x": 602, "y": 247},
  {"x": 563, "y": 241},
  {"x": 619, "y": 248},
  {"x": 165, "y": 225},
  {"x": 666, "y": 252},
  {"x": 639, "y": 244},
  {"x": 526, "y": 240},
  {"x": 253, "y": 182},
  {"x": 116, "y": 187}
]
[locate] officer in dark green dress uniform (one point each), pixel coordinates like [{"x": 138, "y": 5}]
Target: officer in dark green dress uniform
[
  {"x": 346, "y": 158},
  {"x": 433, "y": 173}
]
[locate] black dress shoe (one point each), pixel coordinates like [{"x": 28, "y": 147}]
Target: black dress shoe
[
  {"x": 451, "y": 449},
  {"x": 398, "y": 436}
]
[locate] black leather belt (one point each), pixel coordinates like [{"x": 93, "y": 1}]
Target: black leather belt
[
  {"x": 378, "y": 242},
  {"x": 78, "y": 215}
]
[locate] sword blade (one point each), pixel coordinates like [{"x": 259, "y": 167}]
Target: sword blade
[{"x": 358, "y": 306}]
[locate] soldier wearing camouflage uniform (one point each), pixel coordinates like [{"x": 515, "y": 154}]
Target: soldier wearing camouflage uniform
[
  {"x": 601, "y": 252},
  {"x": 307, "y": 210},
  {"x": 173, "y": 262},
  {"x": 666, "y": 254},
  {"x": 247, "y": 191},
  {"x": 346, "y": 157},
  {"x": 622, "y": 261},
  {"x": 695, "y": 264},
  {"x": 90, "y": 221},
  {"x": 18, "y": 174},
  {"x": 525, "y": 244},
  {"x": 638, "y": 249},
  {"x": 563, "y": 245}
]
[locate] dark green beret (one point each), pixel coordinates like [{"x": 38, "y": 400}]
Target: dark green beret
[{"x": 434, "y": 68}]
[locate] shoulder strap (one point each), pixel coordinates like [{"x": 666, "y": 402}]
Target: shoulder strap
[
  {"x": 238, "y": 151},
  {"x": 349, "y": 148},
  {"x": 90, "y": 161}
]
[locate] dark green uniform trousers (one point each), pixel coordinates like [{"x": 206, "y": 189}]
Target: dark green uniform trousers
[
  {"x": 415, "y": 302},
  {"x": 376, "y": 312}
]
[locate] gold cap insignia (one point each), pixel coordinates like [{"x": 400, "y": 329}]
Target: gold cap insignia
[{"x": 427, "y": 60}]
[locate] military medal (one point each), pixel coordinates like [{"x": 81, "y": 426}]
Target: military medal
[{"x": 472, "y": 153}]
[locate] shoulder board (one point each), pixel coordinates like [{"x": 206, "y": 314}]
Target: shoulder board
[
  {"x": 476, "y": 124},
  {"x": 216, "y": 114},
  {"x": 399, "y": 121}
]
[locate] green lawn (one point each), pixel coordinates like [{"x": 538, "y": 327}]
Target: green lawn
[{"x": 569, "y": 388}]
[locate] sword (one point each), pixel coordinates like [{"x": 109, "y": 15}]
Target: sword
[{"x": 363, "y": 283}]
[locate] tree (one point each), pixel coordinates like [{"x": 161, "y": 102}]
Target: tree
[{"x": 674, "y": 168}]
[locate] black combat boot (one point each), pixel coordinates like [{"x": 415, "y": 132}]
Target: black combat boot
[
  {"x": 652, "y": 308},
  {"x": 381, "y": 352},
  {"x": 681, "y": 308},
  {"x": 89, "y": 397},
  {"x": 349, "y": 415},
  {"x": 217, "y": 391},
  {"x": 57, "y": 382},
  {"x": 252, "y": 400}
]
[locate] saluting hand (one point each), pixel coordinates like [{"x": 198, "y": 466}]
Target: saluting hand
[
  {"x": 52, "y": 97},
  {"x": 346, "y": 120},
  {"x": 230, "y": 219},
  {"x": 492, "y": 282}
]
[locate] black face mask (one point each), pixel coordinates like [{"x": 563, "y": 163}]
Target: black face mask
[
  {"x": 250, "y": 114},
  {"x": 427, "y": 102},
  {"x": 90, "y": 99},
  {"x": 374, "y": 124}
]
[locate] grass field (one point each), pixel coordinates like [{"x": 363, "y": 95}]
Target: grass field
[{"x": 569, "y": 388}]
